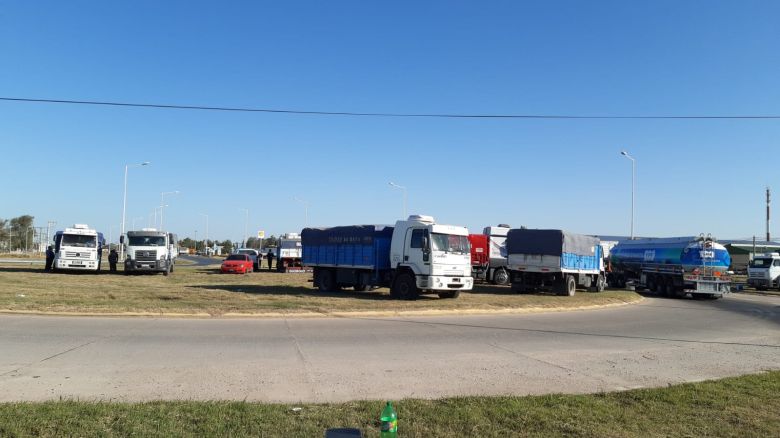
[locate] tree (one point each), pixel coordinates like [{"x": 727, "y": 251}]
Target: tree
[
  {"x": 227, "y": 246},
  {"x": 271, "y": 241}
]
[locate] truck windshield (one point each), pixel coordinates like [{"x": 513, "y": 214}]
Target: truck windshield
[
  {"x": 287, "y": 244},
  {"x": 79, "y": 240},
  {"x": 146, "y": 240},
  {"x": 450, "y": 243},
  {"x": 761, "y": 263}
]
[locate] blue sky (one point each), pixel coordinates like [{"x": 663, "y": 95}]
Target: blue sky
[{"x": 65, "y": 163}]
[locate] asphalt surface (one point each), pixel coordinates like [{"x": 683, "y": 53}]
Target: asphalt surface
[
  {"x": 201, "y": 260},
  {"x": 654, "y": 343}
]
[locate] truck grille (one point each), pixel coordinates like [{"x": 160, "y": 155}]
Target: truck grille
[
  {"x": 77, "y": 255},
  {"x": 146, "y": 256},
  {"x": 756, "y": 274}
]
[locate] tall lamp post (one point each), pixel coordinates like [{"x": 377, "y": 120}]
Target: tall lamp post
[
  {"x": 246, "y": 223},
  {"x": 207, "y": 230},
  {"x": 392, "y": 184},
  {"x": 162, "y": 202},
  {"x": 633, "y": 184},
  {"x": 124, "y": 205},
  {"x": 305, "y": 209}
]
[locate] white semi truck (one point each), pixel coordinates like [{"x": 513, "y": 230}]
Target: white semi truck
[
  {"x": 149, "y": 250},
  {"x": 78, "y": 248},
  {"x": 416, "y": 256},
  {"x": 764, "y": 271}
]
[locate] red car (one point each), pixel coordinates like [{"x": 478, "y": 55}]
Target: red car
[{"x": 237, "y": 264}]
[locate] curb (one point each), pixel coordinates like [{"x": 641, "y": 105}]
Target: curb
[{"x": 371, "y": 313}]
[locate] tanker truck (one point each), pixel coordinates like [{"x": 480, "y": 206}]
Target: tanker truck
[
  {"x": 416, "y": 256},
  {"x": 672, "y": 267}
]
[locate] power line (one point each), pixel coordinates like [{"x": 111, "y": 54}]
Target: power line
[{"x": 372, "y": 114}]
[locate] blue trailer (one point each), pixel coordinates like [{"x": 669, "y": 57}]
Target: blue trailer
[
  {"x": 672, "y": 267},
  {"x": 554, "y": 260},
  {"x": 361, "y": 252}
]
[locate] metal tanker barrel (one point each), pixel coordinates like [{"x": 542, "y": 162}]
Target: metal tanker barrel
[{"x": 685, "y": 253}]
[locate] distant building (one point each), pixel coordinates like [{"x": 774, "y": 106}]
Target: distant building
[{"x": 741, "y": 251}]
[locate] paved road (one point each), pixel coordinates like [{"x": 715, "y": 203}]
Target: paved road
[
  {"x": 201, "y": 260},
  {"x": 656, "y": 342}
]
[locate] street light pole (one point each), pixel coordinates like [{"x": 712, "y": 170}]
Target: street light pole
[
  {"x": 124, "y": 205},
  {"x": 305, "y": 209},
  {"x": 633, "y": 184},
  {"x": 392, "y": 184},
  {"x": 162, "y": 201},
  {"x": 207, "y": 227},
  {"x": 246, "y": 223}
]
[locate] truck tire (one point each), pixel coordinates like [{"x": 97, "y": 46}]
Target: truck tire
[
  {"x": 500, "y": 277},
  {"x": 601, "y": 284},
  {"x": 671, "y": 290},
  {"x": 568, "y": 286},
  {"x": 361, "y": 287},
  {"x": 327, "y": 281},
  {"x": 449, "y": 294},
  {"x": 404, "y": 288}
]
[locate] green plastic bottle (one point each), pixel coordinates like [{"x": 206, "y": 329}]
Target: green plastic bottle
[{"x": 389, "y": 419}]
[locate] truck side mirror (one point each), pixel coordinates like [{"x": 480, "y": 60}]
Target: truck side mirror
[
  {"x": 121, "y": 239},
  {"x": 425, "y": 246}
]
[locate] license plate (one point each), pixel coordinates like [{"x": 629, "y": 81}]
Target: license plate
[{"x": 456, "y": 280}]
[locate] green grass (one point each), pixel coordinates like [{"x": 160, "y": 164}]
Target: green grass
[
  {"x": 734, "y": 407},
  {"x": 205, "y": 291}
]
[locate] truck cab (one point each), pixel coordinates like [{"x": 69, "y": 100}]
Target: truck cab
[
  {"x": 149, "y": 250},
  {"x": 764, "y": 271},
  {"x": 434, "y": 256},
  {"x": 78, "y": 248},
  {"x": 289, "y": 252}
]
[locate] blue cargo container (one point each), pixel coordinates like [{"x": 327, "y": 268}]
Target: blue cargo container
[{"x": 365, "y": 248}]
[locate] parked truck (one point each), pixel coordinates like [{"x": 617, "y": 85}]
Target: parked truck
[
  {"x": 764, "y": 271},
  {"x": 149, "y": 250},
  {"x": 488, "y": 255},
  {"x": 289, "y": 253},
  {"x": 78, "y": 248},
  {"x": 554, "y": 260},
  {"x": 416, "y": 256},
  {"x": 673, "y": 266}
]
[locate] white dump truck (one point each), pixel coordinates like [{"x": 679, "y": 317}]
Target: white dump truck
[{"x": 149, "y": 250}]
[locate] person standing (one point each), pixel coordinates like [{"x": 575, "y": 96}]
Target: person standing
[
  {"x": 49, "y": 258},
  {"x": 270, "y": 256},
  {"x": 113, "y": 257}
]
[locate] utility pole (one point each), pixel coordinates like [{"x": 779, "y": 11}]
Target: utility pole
[{"x": 768, "y": 203}]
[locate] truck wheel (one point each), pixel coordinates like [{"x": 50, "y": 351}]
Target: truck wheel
[
  {"x": 671, "y": 291},
  {"x": 327, "y": 281},
  {"x": 601, "y": 283},
  {"x": 449, "y": 294},
  {"x": 361, "y": 287},
  {"x": 568, "y": 286},
  {"x": 404, "y": 288},
  {"x": 659, "y": 289},
  {"x": 501, "y": 277}
]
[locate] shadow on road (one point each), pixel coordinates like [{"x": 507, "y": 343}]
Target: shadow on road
[{"x": 255, "y": 289}]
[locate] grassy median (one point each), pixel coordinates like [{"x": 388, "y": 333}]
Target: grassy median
[
  {"x": 734, "y": 407},
  {"x": 205, "y": 291}
]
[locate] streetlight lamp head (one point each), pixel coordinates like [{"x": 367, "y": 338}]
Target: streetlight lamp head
[
  {"x": 146, "y": 163},
  {"x": 624, "y": 153}
]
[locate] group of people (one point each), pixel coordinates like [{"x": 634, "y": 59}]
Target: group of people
[{"x": 113, "y": 258}]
